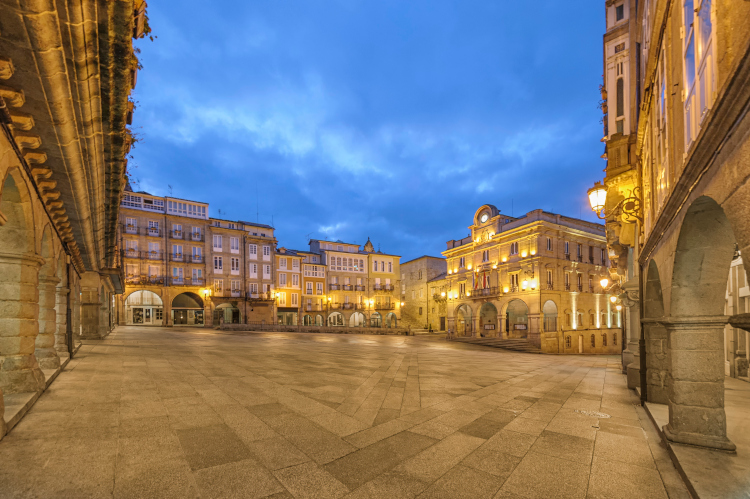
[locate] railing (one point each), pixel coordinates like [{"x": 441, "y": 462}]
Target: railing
[
  {"x": 334, "y": 306},
  {"x": 176, "y": 257},
  {"x": 550, "y": 286},
  {"x": 313, "y": 308},
  {"x": 580, "y": 287},
  {"x": 385, "y": 306},
  {"x": 176, "y": 234},
  {"x": 359, "y": 287},
  {"x": 580, "y": 258},
  {"x": 334, "y": 287},
  {"x": 144, "y": 280},
  {"x": 360, "y": 306},
  {"x": 567, "y": 256},
  {"x": 143, "y": 255},
  {"x": 482, "y": 292},
  {"x": 388, "y": 287},
  {"x": 348, "y": 306},
  {"x": 514, "y": 289},
  {"x": 259, "y": 296},
  {"x": 567, "y": 286},
  {"x": 550, "y": 324},
  {"x": 347, "y": 287},
  {"x": 198, "y": 237},
  {"x": 130, "y": 229},
  {"x": 186, "y": 281},
  {"x": 152, "y": 231},
  {"x": 131, "y": 253}
]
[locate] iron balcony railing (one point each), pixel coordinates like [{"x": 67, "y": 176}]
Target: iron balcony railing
[
  {"x": 347, "y": 306},
  {"x": 359, "y": 287},
  {"x": 484, "y": 292},
  {"x": 197, "y": 237},
  {"x": 580, "y": 287},
  {"x": 567, "y": 286},
  {"x": 385, "y": 306},
  {"x": 580, "y": 258},
  {"x": 347, "y": 287},
  {"x": 143, "y": 255},
  {"x": 567, "y": 256},
  {"x": 334, "y": 287},
  {"x": 259, "y": 296},
  {"x": 144, "y": 280},
  {"x": 153, "y": 231},
  {"x": 176, "y": 234},
  {"x": 550, "y": 286}
]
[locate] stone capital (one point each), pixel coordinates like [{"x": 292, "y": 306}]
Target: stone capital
[
  {"x": 687, "y": 323},
  {"x": 30, "y": 259},
  {"x": 49, "y": 280}
]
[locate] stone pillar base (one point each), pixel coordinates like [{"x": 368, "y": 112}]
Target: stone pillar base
[
  {"x": 47, "y": 358},
  {"x": 18, "y": 378},
  {"x": 712, "y": 442},
  {"x": 634, "y": 376}
]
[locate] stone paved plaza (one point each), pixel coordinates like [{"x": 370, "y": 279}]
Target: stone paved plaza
[{"x": 173, "y": 412}]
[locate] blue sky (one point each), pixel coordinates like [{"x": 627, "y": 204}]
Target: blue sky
[{"x": 389, "y": 119}]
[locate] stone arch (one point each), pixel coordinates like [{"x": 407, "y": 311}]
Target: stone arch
[
  {"x": 45, "y": 352},
  {"x": 357, "y": 319},
  {"x": 189, "y": 300},
  {"x": 517, "y": 319},
  {"x": 318, "y": 320},
  {"x": 188, "y": 309},
  {"x": 143, "y": 307},
  {"x": 229, "y": 313},
  {"x": 695, "y": 327},
  {"x": 307, "y": 320},
  {"x": 464, "y": 319},
  {"x": 390, "y": 320},
  {"x": 19, "y": 274},
  {"x": 549, "y": 311},
  {"x": 335, "y": 319},
  {"x": 61, "y": 305},
  {"x": 488, "y": 319}
]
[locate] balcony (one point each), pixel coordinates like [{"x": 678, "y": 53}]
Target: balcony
[
  {"x": 144, "y": 280},
  {"x": 153, "y": 232},
  {"x": 347, "y": 287},
  {"x": 580, "y": 258},
  {"x": 235, "y": 293},
  {"x": 254, "y": 296},
  {"x": 198, "y": 281},
  {"x": 580, "y": 287},
  {"x": 385, "y": 306},
  {"x": 175, "y": 257},
  {"x": 549, "y": 287},
  {"x": 334, "y": 287},
  {"x": 359, "y": 287},
  {"x": 567, "y": 256},
  {"x": 485, "y": 292},
  {"x": 334, "y": 306},
  {"x": 143, "y": 255},
  {"x": 196, "y": 259},
  {"x": 360, "y": 306},
  {"x": 567, "y": 286},
  {"x": 197, "y": 236},
  {"x": 131, "y": 253},
  {"x": 176, "y": 234},
  {"x": 388, "y": 287},
  {"x": 514, "y": 289},
  {"x": 313, "y": 308},
  {"x": 347, "y": 306},
  {"x": 131, "y": 229}
]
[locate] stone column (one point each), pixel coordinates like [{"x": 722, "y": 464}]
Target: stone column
[
  {"x": 533, "y": 334},
  {"x": 45, "y": 352},
  {"x": 633, "y": 330},
  {"x": 61, "y": 318},
  {"x": 94, "y": 316},
  {"x": 696, "y": 384},
  {"x": 19, "y": 307}
]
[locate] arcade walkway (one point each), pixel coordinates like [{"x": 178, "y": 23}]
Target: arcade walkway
[{"x": 171, "y": 412}]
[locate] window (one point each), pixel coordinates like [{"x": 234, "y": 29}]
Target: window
[
  {"x": 158, "y": 314},
  {"x": 374, "y": 266},
  {"x": 252, "y": 251},
  {"x": 197, "y": 274},
  {"x": 217, "y": 243},
  {"x": 235, "y": 286},
  {"x": 295, "y": 264},
  {"x": 462, "y": 262},
  {"x": 549, "y": 279},
  {"x": 591, "y": 320},
  {"x": 700, "y": 84},
  {"x": 549, "y": 244},
  {"x": 234, "y": 244},
  {"x": 580, "y": 281},
  {"x": 567, "y": 281},
  {"x": 413, "y": 294},
  {"x": 580, "y": 250},
  {"x": 309, "y": 288},
  {"x": 295, "y": 280},
  {"x": 177, "y": 251},
  {"x": 604, "y": 340},
  {"x": 177, "y": 230},
  {"x": 235, "y": 264},
  {"x": 266, "y": 251},
  {"x": 282, "y": 299},
  {"x": 567, "y": 248},
  {"x": 253, "y": 270},
  {"x": 218, "y": 286},
  {"x": 362, "y": 265},
  {"x": 390, "y": 266},
  {"x": 218, "y": 263},
  {"x": 420, "y": 310},
  {"x": 604, "y": 256},
  {"x": 197, "y": 254},
  {"x": 593, "y": 341},
  {"x": 567, "y": 339},
  {"x": 282, "y": 280},
  {"x": 253, "y": 287},
  {"x": 514, "y": 282},
  {"x": 619, "y": 13},
  {"x": 614, "y": 339},
  {"x": 319, "y": 288},
  {"x": 282, "y": 263},
  {"x": 421, "y": 293},
  {"x": 513, "y": 248},
  {"x": 485, "y": 256},
  {"x": 295, "y": 299},
  {"x": 419, "y": 275}
]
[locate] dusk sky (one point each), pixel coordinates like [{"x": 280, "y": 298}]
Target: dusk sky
[{"x": 396, "y": 120}]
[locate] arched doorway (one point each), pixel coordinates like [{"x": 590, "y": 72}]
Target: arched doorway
[
  {"x": 463, "y": 320},
  {"x": 376, "y": 320},
  {"x": 335, "y": 319},
  {"x": 390, "y": 320},
  {"x": 702, "y": 260},
  {"x": 357, "y": 319},
  {"x": 18, "y": 273},
  {"x": 549, "y": 310},
  {"x": 656, "y": 334},
  {"x": 228, "y": 313},
  {"x": 488, "y": 319},
  {"x": 144, "y": 308},
  {"x": 307, "y": 320},
  {"x": 318, "y": 320},
  {"x": 187, "y": 310},
  {"x": 517, "y": 319}
]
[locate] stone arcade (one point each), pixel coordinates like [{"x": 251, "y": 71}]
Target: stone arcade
[{"x": 64, "y": 109}]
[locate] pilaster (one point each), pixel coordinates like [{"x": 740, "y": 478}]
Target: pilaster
[{"x": 45, "y": 352}]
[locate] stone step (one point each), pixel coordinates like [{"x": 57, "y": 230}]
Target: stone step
[{"x": 513, "y": 344}]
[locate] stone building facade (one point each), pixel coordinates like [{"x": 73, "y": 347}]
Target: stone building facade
[
  {"x": 677, "y": 199},
  {"x": 288, "y": 286},
  {"x": 313, "y": 288},
  {"x": 362, "y": 285},
  {"x": 535, "y": 277},
  {"x": 183, "y": 267},
  {"x": 416, "y": 292},
  {"x": 64, "y": 112}
]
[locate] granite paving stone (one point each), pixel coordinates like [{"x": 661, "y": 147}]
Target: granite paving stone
[{"x": 192, "y": 412}]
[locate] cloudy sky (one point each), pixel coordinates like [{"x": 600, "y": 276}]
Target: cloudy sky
[{"x": 349, "y": 119}]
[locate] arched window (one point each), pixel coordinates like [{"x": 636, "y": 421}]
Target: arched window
[
  {"x": 614, "y": 339},
  {"x": 592, "y": 320},
  {"x": 620, "y": 97},
  {"x": 567, "y": 321},
  {"x": 593, "y": 341},
  {"x": 567, "y": 342},
  {"x": 604, "y": 340}
]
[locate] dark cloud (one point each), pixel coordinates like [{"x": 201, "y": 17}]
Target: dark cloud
[{"x": 393, "y": 120}]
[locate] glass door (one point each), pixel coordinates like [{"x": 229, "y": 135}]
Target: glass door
[{"x": 147, "y": 316}]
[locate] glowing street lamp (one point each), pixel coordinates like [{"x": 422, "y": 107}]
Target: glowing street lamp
[
  {"x": 597, "y": 197},
  {"x": 604, "y": 282}
]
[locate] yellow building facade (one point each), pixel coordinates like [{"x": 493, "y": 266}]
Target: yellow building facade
[
  {"x": 288, "y": 286},
  {"x": 313, "y": 289}
]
